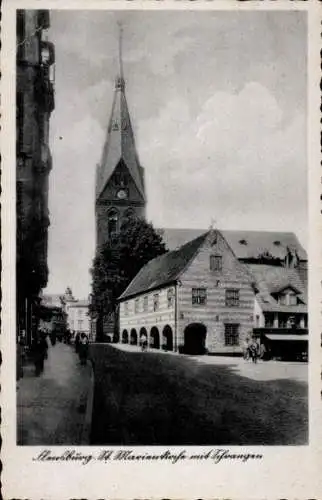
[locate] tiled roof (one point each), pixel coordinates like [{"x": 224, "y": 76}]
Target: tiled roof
[
  {"x": 163, "y": 269},
  {"x": 245, "y": 244},
  {"x": 271, "y": 279}
]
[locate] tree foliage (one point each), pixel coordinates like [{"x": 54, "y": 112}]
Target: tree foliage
[{"x": 120, "y": 259}]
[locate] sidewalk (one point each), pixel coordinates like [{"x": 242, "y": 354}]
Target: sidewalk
[{"x": 55, "y": 408}]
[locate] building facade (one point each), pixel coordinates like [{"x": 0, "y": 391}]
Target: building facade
[
  {"x": 202, "y": 302},
  {"x": 34, "y": 105},
  {"x": 206, "y": 297},
  {"x": 78, "y": 320}
]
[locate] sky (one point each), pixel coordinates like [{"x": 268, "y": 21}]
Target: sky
[{"x": 218, "y": 107}]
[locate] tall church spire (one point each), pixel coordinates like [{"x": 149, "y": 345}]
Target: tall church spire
[
  {"x": 120, "y": 82},
  {"x": 120, "y": 177}
]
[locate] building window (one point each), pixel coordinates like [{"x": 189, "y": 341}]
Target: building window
[
  {"x": 232, "y": 297},
  {"x": 145, "y": 303},
  {"x": 257, "y": 319},
  {"x": 170, "y": 297},
  {"x": 155, "y": 302},
  {"x": 136, "y": 305},
  {"x": 215, "y": 262},
  {"x": 199, "y": 296},
  {"x": 80, "y": 324},
  {"x": 112, "y": 222},
  {"x": 292, "y": 299},
  {"x": 126, "y": 308},
  {"x": 231, "y": 334}
]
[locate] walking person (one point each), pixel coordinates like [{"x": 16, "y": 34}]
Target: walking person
[
  {"x": 246, "y": 349},
  {"x": 39, "y": 351},
  {"x": 77, "y": 342},
  {"x": 254, "y": 350},
  {"x": 83, "y": 348},
  {"x": 144, "y": 342}
]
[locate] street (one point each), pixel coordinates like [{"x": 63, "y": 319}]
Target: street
[
  {"x": 158, "y": 398},
  {"x": 52, "y": 408}
]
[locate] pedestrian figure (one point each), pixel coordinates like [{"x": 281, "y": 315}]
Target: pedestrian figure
[
  {"x": 39, "y": 352},
  {"x": 262, "y": 351},
  {"x": 144, "y": 342},
  {"x": 246, "y": 349},
  {"x": 52, "y": 337},
  {"x": 83, "y": 348},
  {"x": 254, "y": 351},
  {"x": 77, "y": 341}
]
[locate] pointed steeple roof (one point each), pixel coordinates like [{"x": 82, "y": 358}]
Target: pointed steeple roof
[{"x": 119, "y": 143}]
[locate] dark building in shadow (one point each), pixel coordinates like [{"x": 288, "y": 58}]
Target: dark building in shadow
[{"x": 34, "y": 105}]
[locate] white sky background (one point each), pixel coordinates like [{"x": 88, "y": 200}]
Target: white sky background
[{"x": 218, "y": 107}]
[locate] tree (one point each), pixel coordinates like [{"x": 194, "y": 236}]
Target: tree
[{"x": 119, "y": 260}]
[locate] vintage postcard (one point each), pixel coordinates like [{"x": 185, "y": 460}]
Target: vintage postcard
[{"x": 161, "y": 306}]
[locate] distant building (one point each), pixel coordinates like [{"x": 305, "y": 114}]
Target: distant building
[
  {"x": 35, "y": 103},
  {"x": 77, "y": 313},
  {"x": 208, "y": 294},
  {"x": 78, "y": 317}
]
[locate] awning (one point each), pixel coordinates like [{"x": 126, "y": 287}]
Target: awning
[{"x": 276, "y": 336}]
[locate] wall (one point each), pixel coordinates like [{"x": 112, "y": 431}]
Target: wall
[
  {"x": 259, "y": 318},
  {"x": 215, "y": 313},
  {"x": 160, "y": 318}
]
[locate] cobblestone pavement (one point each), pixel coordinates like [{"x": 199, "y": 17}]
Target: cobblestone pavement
[
  {"x": 263, "y": 370},
  {"x": 159, "y": 398},
  {"x": 51, "y": 409}
]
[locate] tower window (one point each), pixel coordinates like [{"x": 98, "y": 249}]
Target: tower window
[{"x": 113, "y": 218}]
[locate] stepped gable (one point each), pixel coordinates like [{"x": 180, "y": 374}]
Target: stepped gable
[
  {"x": 164, "y": 269},
  {"x": 245, "y": 244}
]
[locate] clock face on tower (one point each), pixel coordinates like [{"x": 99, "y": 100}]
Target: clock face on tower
[{"x": 121, "y": 194}]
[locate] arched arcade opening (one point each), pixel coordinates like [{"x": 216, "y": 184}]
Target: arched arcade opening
[
  {"x": 167, "y": 343},
  {"x": 154, "y": 338},
  {"x": 133, "y": 337},
  {"x": 125, "y": 337}
]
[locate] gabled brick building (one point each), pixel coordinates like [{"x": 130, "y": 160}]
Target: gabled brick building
[
  {"x": 210, "y": 295},
  {"x": 196, "y": 298}
]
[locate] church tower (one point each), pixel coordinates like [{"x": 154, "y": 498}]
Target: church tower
[{"x": 120, "y": 191}]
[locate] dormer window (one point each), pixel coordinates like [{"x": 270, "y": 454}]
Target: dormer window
[
  {"x": 288, "y": 298},
  {"x": 277, "y": 243},
  {"x": 243, "y": 242}
]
